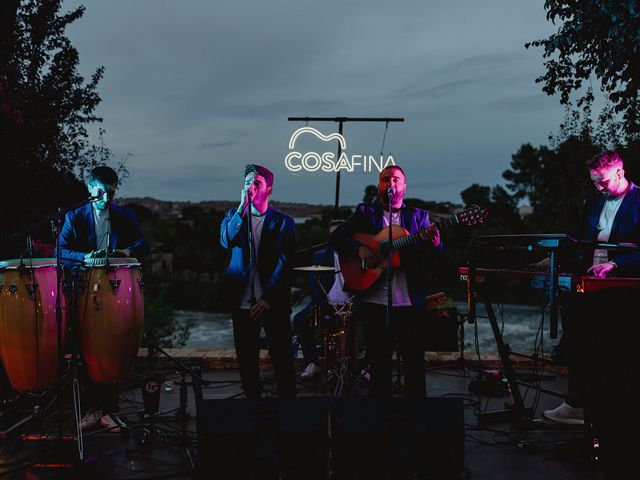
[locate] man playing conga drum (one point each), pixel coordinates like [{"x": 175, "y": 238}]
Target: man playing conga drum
[{"x": 91, "y": 232}]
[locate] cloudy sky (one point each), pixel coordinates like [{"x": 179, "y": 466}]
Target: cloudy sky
[{"x": 194, "y": 89}]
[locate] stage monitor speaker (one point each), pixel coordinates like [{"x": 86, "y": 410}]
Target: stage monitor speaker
[
  {"x": 263, "y": 439},
  {"x": 397, "y": 438}
]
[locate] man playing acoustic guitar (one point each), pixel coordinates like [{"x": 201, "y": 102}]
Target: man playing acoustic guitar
[{"x": 364, "y": 268}]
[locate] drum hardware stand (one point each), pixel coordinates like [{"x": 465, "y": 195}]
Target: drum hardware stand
[
  {"x": 344, "y": 370},
  {"x": 37, "y": 413}
]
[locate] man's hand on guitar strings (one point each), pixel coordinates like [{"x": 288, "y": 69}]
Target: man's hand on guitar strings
[{"x": 367, "y": 257}]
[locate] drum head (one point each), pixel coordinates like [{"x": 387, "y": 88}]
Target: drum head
[
  {"x": 115, "y": 262},
  {"x": 15, "y": 263}
]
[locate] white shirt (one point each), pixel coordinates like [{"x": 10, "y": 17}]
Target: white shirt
[
  {"x": 102, "y": 226},
  {"x": 257, "y": 222},
  {"x": 605, "y": 222},
  {"x": 399, "y": 284},
  {"x": 337, "y": 295}
]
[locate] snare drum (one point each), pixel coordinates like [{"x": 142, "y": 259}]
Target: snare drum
[
  {"x": 110, "y": 317},
  {"x": 28, "y": 329}
]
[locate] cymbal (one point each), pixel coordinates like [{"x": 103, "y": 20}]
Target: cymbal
[{"x": 315, "y": 268}]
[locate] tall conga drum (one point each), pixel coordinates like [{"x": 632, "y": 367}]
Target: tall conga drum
[
  {"x": 28, "y": 327},
  {"x": 110, "y": 317}
]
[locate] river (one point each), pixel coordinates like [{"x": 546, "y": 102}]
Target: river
[{"x": 521, "y": 324}]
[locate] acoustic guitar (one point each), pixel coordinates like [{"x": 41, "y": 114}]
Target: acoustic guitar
[{"x": 359, "y": 277}]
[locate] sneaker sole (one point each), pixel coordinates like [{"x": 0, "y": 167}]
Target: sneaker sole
[{"x": 564, "y": 421}]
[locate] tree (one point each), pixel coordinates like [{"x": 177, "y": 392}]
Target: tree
[
  {"x": 46, "y": 106},
  {"x": 554, "y": 178},
  {"x": 370, "y": 193},
  {"x": 502, "y": 207},
  {"x": 595, "y": 38}
]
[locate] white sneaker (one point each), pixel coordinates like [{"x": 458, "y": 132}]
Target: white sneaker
[
  {"x": 566, "y": 414},
  {"x": 312, "y": 371},
  {"x": 91, "y": 418},
  {"x": 112, "y": 422}
]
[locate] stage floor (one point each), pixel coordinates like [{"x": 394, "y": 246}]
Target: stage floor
[{"x": 167, "y": 448}]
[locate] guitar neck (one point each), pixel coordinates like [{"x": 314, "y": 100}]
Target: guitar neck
[{"x": 414, "y": 238}]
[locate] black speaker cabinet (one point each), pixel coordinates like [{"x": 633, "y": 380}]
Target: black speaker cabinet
[
  {"x": 397, "y": 438},
  {"x": 263, "y": 439},
  {"x": 313, "y": 438}
]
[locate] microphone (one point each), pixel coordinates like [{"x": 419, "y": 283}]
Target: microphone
[
  {"x": 245, "y": 203},
  {"x": 391, "y": 192}
]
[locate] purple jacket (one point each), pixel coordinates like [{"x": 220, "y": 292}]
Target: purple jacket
[{"x": 417, "y": 260}]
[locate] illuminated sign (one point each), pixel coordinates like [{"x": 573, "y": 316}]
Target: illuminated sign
[{"x": 326, "y": 161}]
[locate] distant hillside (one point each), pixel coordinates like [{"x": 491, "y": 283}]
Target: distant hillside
[{"x": 167, "y": 208}]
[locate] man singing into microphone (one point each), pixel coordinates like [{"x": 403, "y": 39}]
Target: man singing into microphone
[
  {"x": 409, "y": 284},
  {"x": 90, "y": 231},
  {"x": 261, "y": 243}
]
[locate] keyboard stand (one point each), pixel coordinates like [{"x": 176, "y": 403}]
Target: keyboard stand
[{"x": 518, "y": 411}]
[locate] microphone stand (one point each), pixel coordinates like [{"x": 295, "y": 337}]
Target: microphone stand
[
  {"x": 106, "y": 255},
  {"x": 390, "y": 194},
  {"x": 252, "y": 292},
  {"x": 389, "y": 253}
]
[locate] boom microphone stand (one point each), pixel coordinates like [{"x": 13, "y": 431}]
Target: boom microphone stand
[
  {"x": 390, "y": 193},
  {"x": 252, "y": 291}
]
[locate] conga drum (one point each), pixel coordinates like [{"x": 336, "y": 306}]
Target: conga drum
[
  {"x": 28, "y": 328},
  {"x": 110, "y": 317}
]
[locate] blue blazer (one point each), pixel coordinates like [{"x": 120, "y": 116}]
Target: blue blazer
[
  {"x": 625, "y": 228},
  {"x": 274, "y": 255},
  {"x": 367, "y": 218},
  {"x": 78, "y": 234}
]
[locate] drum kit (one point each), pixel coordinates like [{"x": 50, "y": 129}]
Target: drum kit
[
  {"x": 339, "y": 334},
  {"x": 102, "y": 308}
]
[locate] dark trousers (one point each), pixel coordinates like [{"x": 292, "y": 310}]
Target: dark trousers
[
  {"x": 404, "y": 333},
  {"x": 600, "y": 335},
  {"x": 246, "y": 335}
]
